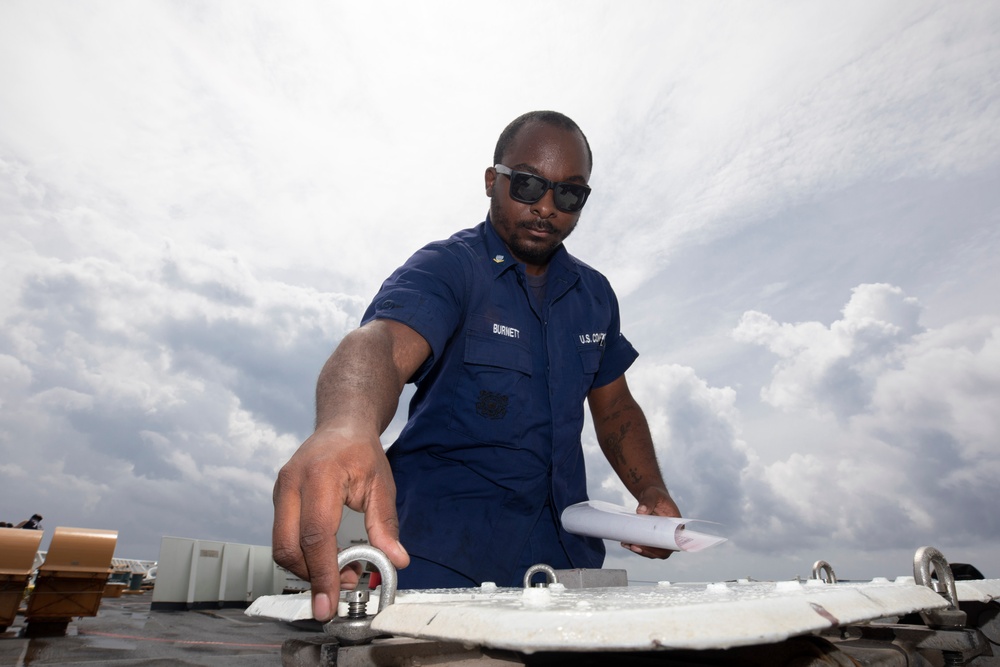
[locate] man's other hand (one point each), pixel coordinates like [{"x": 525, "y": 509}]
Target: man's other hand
[{"x": 654, "y": 500}]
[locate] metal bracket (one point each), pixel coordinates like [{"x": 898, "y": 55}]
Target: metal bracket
[
  {"x": 550, "y": 575},
  {"x": 821, "y": 567},
  {"x": 356, "y": 627},
  {"x": 923, "y": 560}
]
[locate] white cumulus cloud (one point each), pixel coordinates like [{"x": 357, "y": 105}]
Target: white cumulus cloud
[
  {"x": 834, "y": 368},
  {"x": 905, "y": 422}
]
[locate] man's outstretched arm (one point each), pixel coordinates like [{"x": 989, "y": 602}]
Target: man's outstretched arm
[
  {"x": 623, "y": 434},
  {"x": 343, "y": 462}
]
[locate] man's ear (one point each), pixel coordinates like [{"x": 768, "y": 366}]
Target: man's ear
[{"x": 491, "y": 179}]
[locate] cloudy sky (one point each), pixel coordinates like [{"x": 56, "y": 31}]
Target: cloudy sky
[{"x": 798, "y": 204}]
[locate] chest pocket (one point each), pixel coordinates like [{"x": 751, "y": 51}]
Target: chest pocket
[
  {"x": 497, "y": 352},
  {"x": 492, "y": 388},
  {"x": 590, "y": 357}
]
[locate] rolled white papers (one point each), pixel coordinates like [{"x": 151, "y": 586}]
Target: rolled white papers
[{"x": 595, "y": 518}]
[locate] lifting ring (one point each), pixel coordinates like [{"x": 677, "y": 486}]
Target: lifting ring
[
  {"x": 550, "y": 574},
  {"x": 922, "y": 562},
  {"x": 822, "y": 567},
  {"x": 386, "y": 569}
]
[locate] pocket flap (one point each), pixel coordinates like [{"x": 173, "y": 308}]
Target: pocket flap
[{"x": 498, "y": 352}]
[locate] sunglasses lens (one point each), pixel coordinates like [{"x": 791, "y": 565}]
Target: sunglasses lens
[
  {"x": 569, "y": 197},
  {"x": 527, "y": 188}
]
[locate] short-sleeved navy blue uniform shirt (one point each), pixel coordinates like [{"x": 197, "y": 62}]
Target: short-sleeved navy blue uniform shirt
[{"x": 493, "y": 436}]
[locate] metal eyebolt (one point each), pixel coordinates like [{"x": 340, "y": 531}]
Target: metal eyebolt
[
  {"x": 952, "y": 617},
  {"x": 820, "y": 567},
  {"x": 550, "y": 574},
  {"x": 356, "y": 627}
]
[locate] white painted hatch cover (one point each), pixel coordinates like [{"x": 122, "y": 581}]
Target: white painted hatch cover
[{"x": 682, "y": 616}]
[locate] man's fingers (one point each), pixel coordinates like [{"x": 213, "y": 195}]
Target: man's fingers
[
  {"x": 318, "y": 542},
  {"x": 285, "y": 531},
  {"x": 350, "y": 576},
  {"x": 656, "y": 501},
  {"x": 648, "y": 552},
  {"x": 382, "y": 524}
]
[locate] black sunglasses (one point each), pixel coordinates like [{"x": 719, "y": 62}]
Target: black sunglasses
[{"x": 528, "y": 188}]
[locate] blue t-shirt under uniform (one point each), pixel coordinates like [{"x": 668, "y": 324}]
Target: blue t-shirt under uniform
[{"x": 493, "y": 435}]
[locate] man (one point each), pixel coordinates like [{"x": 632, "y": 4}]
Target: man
[{"x": 505, "y": 334}]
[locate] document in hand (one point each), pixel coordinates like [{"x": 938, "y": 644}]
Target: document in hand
[{"x": 595, "y": 518}]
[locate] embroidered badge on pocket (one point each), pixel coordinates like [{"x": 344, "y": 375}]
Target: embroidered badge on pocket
[{"x": 491, "y": 405}]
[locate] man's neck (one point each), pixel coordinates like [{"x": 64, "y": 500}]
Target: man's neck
[{"x": 536, "y": 283}]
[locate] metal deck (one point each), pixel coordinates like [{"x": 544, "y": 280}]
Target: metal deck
[{"x": 126, "y": 633}]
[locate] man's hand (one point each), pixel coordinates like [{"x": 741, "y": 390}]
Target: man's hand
[
  {"x": 654, "y": 500},
  {"x": 332, "y": 469},
  {"x": 343, "y": 463}
]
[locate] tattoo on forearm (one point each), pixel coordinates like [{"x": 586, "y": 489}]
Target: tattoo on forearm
[
  {"x": 613, "y": 417},
  {"x": 634, "y": 476},
  {"x": 614, "y": 446}
]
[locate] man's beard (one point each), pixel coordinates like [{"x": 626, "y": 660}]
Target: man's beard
[{"x": 517, "y": 239}]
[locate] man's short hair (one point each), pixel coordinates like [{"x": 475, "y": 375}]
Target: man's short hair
[{"x": 549, "y": 118}]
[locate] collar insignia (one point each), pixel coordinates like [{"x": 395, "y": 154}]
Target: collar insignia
[{"x": 499, "y": 259}]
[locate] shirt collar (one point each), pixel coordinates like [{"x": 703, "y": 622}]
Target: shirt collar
[{"x": 502, "y": 259}]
